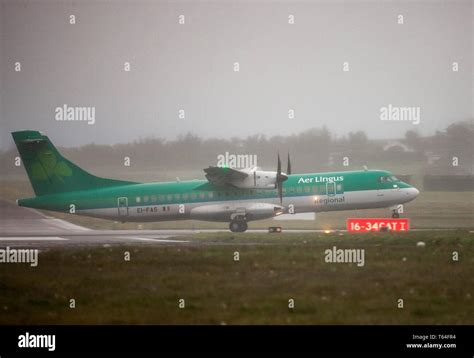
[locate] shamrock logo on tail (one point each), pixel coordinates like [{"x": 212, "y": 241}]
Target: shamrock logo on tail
[{"x": 48, "y": 166}]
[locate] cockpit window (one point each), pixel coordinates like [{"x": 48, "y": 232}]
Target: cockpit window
[{"x": 387, "y": 179}]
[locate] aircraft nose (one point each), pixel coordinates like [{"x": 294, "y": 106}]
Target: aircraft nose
[{"x": 415, "y": 192}]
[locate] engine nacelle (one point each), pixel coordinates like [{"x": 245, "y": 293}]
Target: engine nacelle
[
  {"x": 235, "y": 211},
  {"x": 257, "y": 179}
]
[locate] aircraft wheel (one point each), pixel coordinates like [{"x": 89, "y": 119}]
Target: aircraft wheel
[
  {"x": 234, "y": 226},
  {"x": 238, "y": 226}
]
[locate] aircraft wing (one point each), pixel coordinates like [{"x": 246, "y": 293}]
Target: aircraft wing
[{"x": 222, "y": 176}]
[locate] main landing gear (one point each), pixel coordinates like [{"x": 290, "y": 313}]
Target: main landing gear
[{"x": 238, "y": 226}]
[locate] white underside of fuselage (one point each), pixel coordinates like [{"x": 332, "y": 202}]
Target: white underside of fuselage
[{"x": 367, "y": 199}]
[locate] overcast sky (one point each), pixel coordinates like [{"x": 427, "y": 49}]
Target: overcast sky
[{"x": 282, "y": 66}]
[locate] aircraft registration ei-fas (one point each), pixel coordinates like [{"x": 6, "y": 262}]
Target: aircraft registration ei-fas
[{"x": 236, "y": 196}]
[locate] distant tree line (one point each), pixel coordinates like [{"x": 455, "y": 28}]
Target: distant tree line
[{"x": 447, "y": 152}]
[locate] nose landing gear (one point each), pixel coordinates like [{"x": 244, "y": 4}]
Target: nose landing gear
[
  {"x": 396, "y": 211},
  {"x": 238, "y": 226}
]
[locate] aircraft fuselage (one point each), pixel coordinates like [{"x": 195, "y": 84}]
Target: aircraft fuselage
[{"x": 201, "y": 200}]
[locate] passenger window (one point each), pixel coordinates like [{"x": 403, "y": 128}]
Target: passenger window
[
  {"x": 153, "y": 198},
  {"x": 169, "y": 197},
  {"x": 137, "y": 199},
  {"x": 193, "y": 196},
  {"x": 145, "y": 198},
  {"x": 202, "y": 195}
]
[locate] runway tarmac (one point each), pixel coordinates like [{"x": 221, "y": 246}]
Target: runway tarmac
[
  {"x": 22, "y": 227},
  {"x": 25, "y": 227}
]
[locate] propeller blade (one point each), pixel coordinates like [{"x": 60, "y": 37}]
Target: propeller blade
[
  {"x": 280, "y": 178},
  {"x": 288, "y": 169},
  {"x": 255, "y": 177},
  {"x": 280, "y": 192},
  {"x": 279, "y": 166}
]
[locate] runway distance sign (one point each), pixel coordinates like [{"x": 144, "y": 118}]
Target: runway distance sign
[{"x": 377, "y": 224}]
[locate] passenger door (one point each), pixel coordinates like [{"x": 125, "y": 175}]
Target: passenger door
[
  {"x": 122, "y": 204},
  {"x": 380, "y": 186}
]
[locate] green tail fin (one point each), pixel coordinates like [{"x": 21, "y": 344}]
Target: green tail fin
[{"x": 49, "y": 172}]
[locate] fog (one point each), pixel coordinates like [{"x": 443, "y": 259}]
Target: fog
[{"x": 191, "y": 67}]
